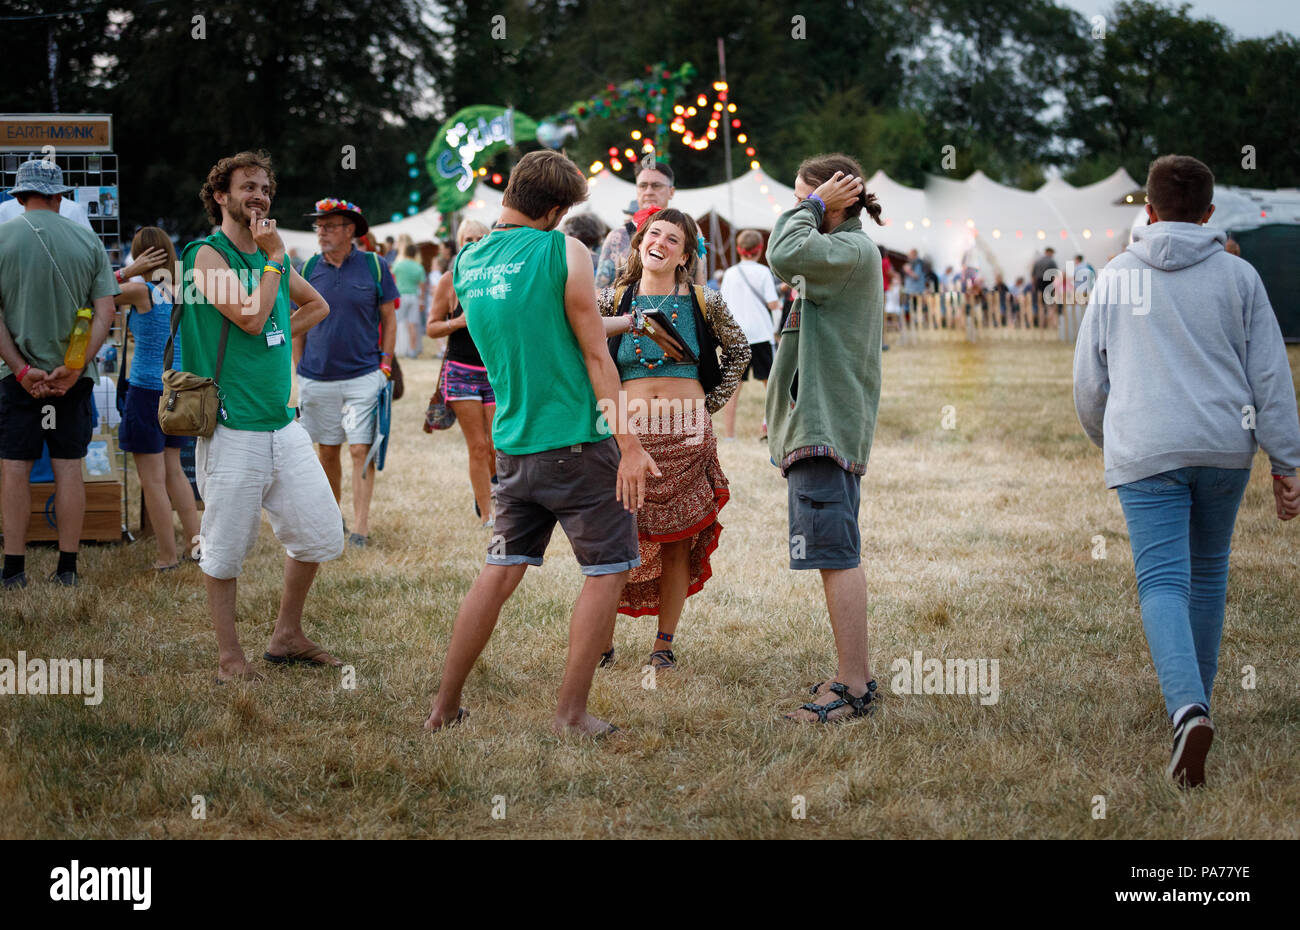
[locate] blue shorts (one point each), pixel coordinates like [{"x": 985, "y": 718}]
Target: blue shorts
[
  {"x": 139, "y": 430},
  {"x": 466, "y": 382},
  {"x": 823, "y": 504}
]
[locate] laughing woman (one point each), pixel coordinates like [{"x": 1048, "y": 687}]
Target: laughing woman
[{"x": 668, "y": 403}]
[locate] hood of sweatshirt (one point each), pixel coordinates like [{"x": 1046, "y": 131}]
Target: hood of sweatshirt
[{"x": 1171, "y": 246}]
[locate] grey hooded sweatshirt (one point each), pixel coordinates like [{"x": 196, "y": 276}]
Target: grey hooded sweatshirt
[{"x": 1180, "y": 360}]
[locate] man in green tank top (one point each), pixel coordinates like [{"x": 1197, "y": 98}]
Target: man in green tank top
[
  {"x": 530, "y": 305},
  {"x": 236, "y": 287}
]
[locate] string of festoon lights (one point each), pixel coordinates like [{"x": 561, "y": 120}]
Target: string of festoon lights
[
  {"x": 698, "y": 139},
  {"x": 996, "y": 232}
]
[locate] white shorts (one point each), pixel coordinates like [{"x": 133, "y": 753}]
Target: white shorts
[
  {"x": 335, "y": 412},
  {"x": 239, "y": 473}
]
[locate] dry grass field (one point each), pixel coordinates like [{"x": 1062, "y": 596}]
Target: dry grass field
[{"x": 978, "y": 544}]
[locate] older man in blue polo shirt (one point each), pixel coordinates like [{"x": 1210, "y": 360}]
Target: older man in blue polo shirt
[{"x": 345, "y": 361}]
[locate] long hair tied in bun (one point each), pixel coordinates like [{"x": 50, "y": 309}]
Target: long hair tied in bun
[{"x": 821, "y": 168}]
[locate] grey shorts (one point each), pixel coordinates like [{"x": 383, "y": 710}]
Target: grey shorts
[
  {"x": 573, "y": 486},
  {"x": 823, "y": 502}
]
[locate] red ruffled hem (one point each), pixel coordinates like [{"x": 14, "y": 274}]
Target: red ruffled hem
[{"x": 720, "y": 497}]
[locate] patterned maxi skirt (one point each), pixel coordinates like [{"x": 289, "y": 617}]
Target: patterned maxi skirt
[{"x": 683, "y": 504}]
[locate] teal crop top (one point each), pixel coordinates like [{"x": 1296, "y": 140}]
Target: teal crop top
[{"x": 629, "y": 365}]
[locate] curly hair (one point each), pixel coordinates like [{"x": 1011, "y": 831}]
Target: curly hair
[
  {"x": 632, "y": 270},
  {"x": 219, "y": 179}
]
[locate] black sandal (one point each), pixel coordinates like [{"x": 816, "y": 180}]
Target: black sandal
[
  {"x": 861, "y": 705},
  {"x": 606, "y": 658},
  {"x": 668, "y": 661},
  {"x": 816, "y": 689}
]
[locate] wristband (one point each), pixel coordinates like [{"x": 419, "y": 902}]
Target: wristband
[
  {"x": 817, "y": 201},
  {"x": 273, "y": 266},
  {"x": 118, "y": 275},
  {"x": 23, "y": 374},
  {"x": 387, "y": 369}
]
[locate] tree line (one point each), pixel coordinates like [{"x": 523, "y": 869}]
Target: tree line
[{"x": 913, "y": 87}]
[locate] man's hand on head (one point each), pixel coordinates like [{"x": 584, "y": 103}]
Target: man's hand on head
[{"x": 839, "y": 192}]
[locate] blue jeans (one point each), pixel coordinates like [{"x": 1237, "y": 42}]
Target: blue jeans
[{"x": 1180, "y": 526}]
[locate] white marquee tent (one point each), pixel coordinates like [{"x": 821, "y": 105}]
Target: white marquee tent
[{"x": 999, "y": 229}]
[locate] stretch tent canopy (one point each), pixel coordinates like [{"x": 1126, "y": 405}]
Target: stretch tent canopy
[{"x": 999, "y": 229}]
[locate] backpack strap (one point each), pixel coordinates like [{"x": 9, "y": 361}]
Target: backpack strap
[
  {"x": 623, "y": 301},
  {"x": 307, "y": 268},
  {"x": 701, "y": 300},
  {"x": 379, "y": 276}
]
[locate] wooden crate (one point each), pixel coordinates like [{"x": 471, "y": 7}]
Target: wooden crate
[{"x": 103, "y": 521}]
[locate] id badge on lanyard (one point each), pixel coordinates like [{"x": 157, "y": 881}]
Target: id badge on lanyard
[{"x": 275, "y": 335}]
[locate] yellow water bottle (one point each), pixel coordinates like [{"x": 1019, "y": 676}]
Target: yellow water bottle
[{"x": 75, "y": 357}]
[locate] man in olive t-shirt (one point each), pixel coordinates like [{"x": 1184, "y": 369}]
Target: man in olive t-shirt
[{"x": 49, "y": 269}]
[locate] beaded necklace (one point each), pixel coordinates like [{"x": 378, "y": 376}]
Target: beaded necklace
[{"x": 646, "y": 302}]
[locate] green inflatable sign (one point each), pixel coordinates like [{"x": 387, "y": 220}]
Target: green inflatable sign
[{"x": 467, "y": 141}]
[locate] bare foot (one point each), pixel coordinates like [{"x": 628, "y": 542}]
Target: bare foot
[
  {"x": 237, "y": 670},
  {"x": 586, "y": 725},
  {"x": 438, "y": 720},
  {"x": 300, "y": 648}
]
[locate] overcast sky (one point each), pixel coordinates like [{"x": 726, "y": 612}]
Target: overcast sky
[{"x": 1248, "y": 19}]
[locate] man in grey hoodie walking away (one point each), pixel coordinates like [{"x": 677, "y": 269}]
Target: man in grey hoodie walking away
[{"x": 1179, "y": 373}]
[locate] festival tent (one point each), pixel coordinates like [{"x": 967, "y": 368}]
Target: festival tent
[
  {"x": 1000, "y": 229},
  {"x": 608, "y": 196},
  {"x": 754, "y": 201}
]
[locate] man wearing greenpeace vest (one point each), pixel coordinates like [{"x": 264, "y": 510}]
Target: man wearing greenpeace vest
[
  {"x": 530, "y": 306},
  {"x": 259, "y": 457}
]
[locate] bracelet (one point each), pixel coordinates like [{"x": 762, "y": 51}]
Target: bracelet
[
  {"x": 118, "y": 275},
  {"x": 813, "y": 198},
  {"x": 23, "y": 374},
  {"x": 271, "y": 266}
]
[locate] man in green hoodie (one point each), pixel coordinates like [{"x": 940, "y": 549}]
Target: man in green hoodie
[{"x": 821, "y": 408}]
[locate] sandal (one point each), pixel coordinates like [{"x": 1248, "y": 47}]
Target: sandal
[
  {"x": 816, "y": 690},
  {"x": 606, "y": 658},
  {"x": 861, "y": 705},
  {"x": 666, "y": 661}
]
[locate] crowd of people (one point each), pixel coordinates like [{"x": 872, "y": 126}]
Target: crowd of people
[{"x": 585, "y": 371}]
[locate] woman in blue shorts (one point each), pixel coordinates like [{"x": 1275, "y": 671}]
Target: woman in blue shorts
[
  {"x": 157, "y": 456},
  {"x": 465, "y": 381}
]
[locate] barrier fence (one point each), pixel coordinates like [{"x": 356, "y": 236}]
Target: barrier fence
[{"x": 983, "y": 315}]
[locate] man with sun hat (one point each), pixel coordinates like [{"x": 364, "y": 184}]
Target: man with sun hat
[{"x": 345, "y": 362}]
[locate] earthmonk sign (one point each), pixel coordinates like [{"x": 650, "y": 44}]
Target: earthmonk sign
[{"x": 75, "y": 132}]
